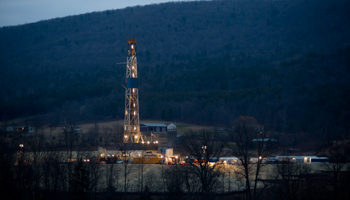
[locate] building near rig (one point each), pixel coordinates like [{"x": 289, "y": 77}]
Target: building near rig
[{"x": 154, "y": 128}]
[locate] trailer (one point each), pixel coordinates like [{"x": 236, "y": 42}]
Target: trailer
[
  {"x": 229, "y": 160},
  {"x": 315, "y": 159}
]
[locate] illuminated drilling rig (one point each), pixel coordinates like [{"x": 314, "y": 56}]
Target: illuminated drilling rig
[{"x": 132, "y": 132}]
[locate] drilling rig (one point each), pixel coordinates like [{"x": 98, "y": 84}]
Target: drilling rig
[{"x": 132, "y": 132}]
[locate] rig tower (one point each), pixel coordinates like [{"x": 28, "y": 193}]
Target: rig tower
[{"x": 132, "y": 132}]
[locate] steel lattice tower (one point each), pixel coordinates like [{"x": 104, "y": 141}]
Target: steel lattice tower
[{"x": 132, "y": 132}]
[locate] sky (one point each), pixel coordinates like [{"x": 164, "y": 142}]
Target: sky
[{"x": 17, "y": 12}]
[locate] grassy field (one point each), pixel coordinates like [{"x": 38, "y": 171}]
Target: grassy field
[
  {"x": 181, "y": 127},
  {"x": 161, "y": 138}
]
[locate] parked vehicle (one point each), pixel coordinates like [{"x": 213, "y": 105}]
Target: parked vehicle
[
  {"x": 272, "y": 160},
  {"x": 120, "y": 162},
  {"x": 229, "y": 160},
  {"x": 256, "y": 160},
  {"x": 213, "y": 161}
]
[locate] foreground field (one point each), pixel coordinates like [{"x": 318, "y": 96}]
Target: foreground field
[
  {"x": 133, "y": 177},
  {"x": 230, "y": 180}
]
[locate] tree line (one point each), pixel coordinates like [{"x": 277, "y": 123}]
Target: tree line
[{"x": 38, "y": 170}]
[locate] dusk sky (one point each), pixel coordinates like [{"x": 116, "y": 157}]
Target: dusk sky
[{"x": 17, "y": 12}]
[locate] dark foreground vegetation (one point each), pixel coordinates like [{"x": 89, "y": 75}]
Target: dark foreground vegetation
[{"x": 40, "y": 169}]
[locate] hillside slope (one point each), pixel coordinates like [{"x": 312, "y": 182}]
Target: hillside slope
[{"x": 284, "y": 62}]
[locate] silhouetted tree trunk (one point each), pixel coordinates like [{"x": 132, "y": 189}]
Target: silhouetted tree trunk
[
  {"x": 242, "y": 146},
  {"x": 338, "y": 152},
  {"x": 53, "y": 121},
  {"x": 290, "y": 180},
  {"x": 174, "y": 181},
  {"x": 203, "y": 146}
]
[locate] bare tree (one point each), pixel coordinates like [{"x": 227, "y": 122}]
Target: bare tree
[
  {"x": 248, "y": 140},
  {"x": 150, "y": 182},
  {"x": 79, "y": 180},
  {"x": 35, "y": 146},
  {"x": 107, "y": 132},
  {"x": 71, "y": 138},
  {"x": 204, "y": 146},
  {"x": 290, "y": 180},
  {"x": 84, "y": 177},
  {"x": 128, "y": 168},
  {"x": 93, "y": 134},
  {"x": 111, "y": 177},
  {"x": 38, "y": 124},
  {"x": 53, "y": 121},
  {"x": 53, "y": 179},
  {"x": 141, "y": 172},
  {"x": 174, "y": 181},
  {"x": 10, "y": 171},
  {"x": 338, "y": 152}
]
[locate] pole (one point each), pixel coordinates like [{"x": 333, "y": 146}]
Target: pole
[
  {"x": 224, "y": 180},
  {"x": 229, "y": 181}
]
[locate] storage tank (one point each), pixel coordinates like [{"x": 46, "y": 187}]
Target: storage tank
[{"x": 171, "y": 136}]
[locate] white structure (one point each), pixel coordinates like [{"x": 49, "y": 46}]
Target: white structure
[
  {"x": 171, "y": 135},
  {"x": 172, "y": 127},
  {"x": 169, "y": 152},
  {"x": 301, "y": 159},
  {"x": 132, "y": 132}
]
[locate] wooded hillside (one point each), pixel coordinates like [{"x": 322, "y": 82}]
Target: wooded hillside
[{"x": 286, "y": 63}]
